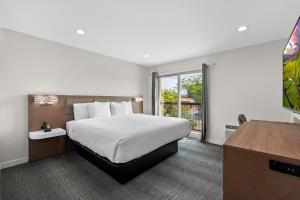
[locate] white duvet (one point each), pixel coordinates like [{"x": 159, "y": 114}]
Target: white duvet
[{"x": 124, "y": 138}]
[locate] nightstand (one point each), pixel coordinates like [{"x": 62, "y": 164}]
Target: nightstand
[{"x": 45, "y": 144}]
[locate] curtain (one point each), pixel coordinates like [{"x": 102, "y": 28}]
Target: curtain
[
  {"x": 204, "y": 101},
  {"x": 155, "y": 93}
]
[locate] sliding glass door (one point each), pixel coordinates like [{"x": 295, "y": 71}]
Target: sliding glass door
[{"x": 180, "y": 96}]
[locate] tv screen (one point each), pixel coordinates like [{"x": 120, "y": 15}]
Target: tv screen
[{"x": 291, "y": 71}]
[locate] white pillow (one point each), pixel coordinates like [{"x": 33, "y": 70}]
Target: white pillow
[
  {"x": 99, "y": 109},
  {"x": 121, "y": 108},
  {"x": 128, "y": 107},
  {"x": 80, "y": 111}
]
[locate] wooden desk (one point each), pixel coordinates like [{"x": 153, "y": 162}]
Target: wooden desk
[{"x": 247, "y": 154}]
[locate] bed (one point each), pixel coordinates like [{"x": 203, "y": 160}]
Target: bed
[
  {"x": 138, "y": 142},
  {"x": 125, "y": 146}
]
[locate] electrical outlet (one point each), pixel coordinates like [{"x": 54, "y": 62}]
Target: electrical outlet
[{"x": 231, "y": 127}]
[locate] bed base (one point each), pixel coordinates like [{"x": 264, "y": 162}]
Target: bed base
[{"x": 124, "y": 172}]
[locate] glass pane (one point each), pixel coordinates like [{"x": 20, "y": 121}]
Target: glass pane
[
  {"x": 191, "y": 98},
  {"x": 169, "y": 96}
]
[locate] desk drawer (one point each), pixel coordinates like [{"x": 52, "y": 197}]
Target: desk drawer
[{"x": 247, "y": 176}]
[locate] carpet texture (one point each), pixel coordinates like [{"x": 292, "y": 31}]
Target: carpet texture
[{"x": 195, "y": 172}]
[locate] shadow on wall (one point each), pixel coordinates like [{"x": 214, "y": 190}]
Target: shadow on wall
[{"x": 14, "y": 127}]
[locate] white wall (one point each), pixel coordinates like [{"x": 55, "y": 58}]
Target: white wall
[
  {"x": 246, "y": 80},
  {"x": 30, "y": 65}
]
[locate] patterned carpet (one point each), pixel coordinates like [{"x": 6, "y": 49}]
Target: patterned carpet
[{"x": 195, "y": 172}]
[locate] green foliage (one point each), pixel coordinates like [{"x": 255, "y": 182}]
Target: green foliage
[
  {"x": 192, "y": 83},
  {"x": 291, "y": 84},
  {"x": 169, "y": 95}
]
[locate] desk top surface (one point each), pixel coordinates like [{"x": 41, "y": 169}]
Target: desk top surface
[{"x": 276, "y": 138}]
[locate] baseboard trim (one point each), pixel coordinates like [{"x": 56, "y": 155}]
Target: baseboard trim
[
  {"x": 214, "y": 141},
  {"x": 13, "y": 162},
  {"x": 295, "y": 118}
]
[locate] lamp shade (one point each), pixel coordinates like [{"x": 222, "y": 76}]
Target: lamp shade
[
  {"x": 44, "y": 100},
  {"x": 138, "y": 99}
]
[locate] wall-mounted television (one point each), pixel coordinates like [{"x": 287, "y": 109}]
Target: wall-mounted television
[{"x": 291, "y": 71}]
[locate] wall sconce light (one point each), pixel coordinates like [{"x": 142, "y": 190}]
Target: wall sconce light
[
  {"x": 138, "y": 99},
  {"x": 46, "y": 100}
]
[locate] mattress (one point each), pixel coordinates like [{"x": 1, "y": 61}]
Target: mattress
[{"x": 124, "y": 138}]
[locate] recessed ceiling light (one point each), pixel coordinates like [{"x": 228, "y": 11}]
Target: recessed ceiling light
[
  {"x": 80, "y": 32},
  {"x": 146, "y": 55},
  {"x": 242, "y": 28}
]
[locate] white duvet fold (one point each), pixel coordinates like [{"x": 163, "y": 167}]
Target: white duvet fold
[{"x": 124, "y": 138}]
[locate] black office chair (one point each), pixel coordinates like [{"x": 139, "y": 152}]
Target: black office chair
[{"x": 242, "y": 118}]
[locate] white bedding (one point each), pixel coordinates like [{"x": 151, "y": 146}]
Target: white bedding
[{"x": 124, "y": 138}]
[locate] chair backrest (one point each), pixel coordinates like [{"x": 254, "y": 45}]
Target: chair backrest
[{"x": 242, "y": 119}]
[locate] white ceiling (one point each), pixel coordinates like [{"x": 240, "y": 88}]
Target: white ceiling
[{"x": 167, "y": 30}]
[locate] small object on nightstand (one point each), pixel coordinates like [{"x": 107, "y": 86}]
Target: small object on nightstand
[{"x": 46, "y": 127}]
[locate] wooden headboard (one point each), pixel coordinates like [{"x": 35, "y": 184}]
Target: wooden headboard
[{"x": 59, "y": 113}]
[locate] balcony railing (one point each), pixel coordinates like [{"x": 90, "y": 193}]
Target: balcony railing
[{"x": 189, "y": 110}]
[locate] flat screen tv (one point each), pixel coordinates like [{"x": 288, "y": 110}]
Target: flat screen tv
[{"x": 291, "y": 71}]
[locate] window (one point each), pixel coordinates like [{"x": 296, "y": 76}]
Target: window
[{"x": 181, "y": 96}]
